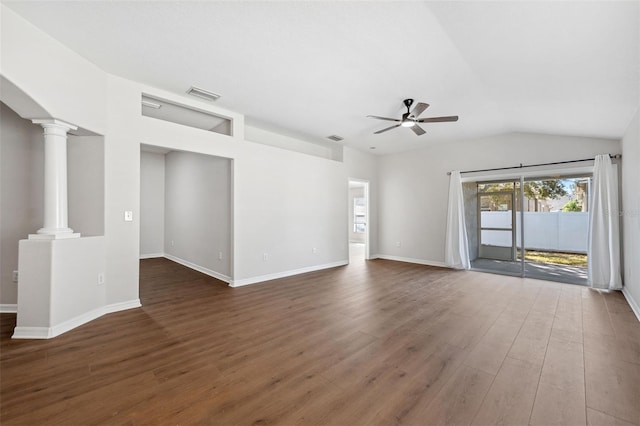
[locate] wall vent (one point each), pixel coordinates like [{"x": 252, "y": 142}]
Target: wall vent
[
  {"x": 151, "y": 104},
  {"x": 335, "y": 138},
  {"x": 203, "y": 94}
]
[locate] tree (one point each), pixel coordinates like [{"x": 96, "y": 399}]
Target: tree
[
  {"x": 544, "y": 189},
  {"x": 572, "y": 206},
  {"x": 537, "y": 190},
  {"x": 497, "y": 194}
]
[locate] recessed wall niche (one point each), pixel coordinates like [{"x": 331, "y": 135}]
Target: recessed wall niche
[{"x": 173, "y": 112}]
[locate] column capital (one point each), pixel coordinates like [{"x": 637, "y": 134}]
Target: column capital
[{"x": 54, "y": 123}]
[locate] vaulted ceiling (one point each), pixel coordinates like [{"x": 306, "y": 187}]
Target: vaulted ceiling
[{"x": 318, "y": 68}]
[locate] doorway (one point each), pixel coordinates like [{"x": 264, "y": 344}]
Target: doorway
[
  {"x": 535, "y": 227},
  {"x": 358, "y": 240},
  {"x": 186, "y": 211}
]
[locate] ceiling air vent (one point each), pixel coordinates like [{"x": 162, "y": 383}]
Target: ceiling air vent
[
  {"x": 335, "y": 138},
  {"x": 204, "y": 94}
]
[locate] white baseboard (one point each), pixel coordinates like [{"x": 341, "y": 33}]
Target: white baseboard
[
  {"x": 151, "y": 255},
  {"x": 199, "y": 268},
  {"x": 8, "y": 308},
  {"x": 70, "y": 324},
  {"x": 634, "y": 305},
  {"x": 32, "y": 333},
  {"x": 284, "y": 274},
  {"x": 122, "y": 306},
  {"x": 411, "y": 260}
]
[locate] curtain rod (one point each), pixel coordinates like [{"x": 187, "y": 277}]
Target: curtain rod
[{"x": 521, "y": 166}]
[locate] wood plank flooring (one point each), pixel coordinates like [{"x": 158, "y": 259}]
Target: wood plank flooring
[{"x": 372, "y": 343}]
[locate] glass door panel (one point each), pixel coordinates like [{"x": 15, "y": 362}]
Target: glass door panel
[{"x": 496, "y": 221}]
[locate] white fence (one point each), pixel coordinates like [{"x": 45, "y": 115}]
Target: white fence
[{"x": 556, "y": 231}]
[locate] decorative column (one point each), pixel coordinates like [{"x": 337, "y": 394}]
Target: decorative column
[{"x": 55, "y": 181}]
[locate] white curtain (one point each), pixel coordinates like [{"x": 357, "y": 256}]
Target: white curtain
[
  {"x": 604, "y": 227},
  {"x": 456, "y": 251}
]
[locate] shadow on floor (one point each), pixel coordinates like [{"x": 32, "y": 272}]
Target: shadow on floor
[{"x": 541, "y": 271}]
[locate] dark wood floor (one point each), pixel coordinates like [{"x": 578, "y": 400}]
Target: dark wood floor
[{"x": 379, "y": 342}]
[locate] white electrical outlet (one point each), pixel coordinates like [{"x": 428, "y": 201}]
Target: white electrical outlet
[
  {"x": 171, "y": 243},
  {"x": 219, "y": 255},
  {"x": 128, "y": 216},
  {"x": 100, "y": 278},
  {"x": 398, "y": 244},
  {"x": 314, "y": 250},
  {"x": 265, "y": 257},
  {"x": 15, "y": 276}
]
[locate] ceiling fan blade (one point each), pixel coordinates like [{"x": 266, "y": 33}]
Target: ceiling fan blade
[
  {"x": 438, "y": 119},
  {"x": 418, "y": 130},
  {"x": 419, "y": 109},
  {"x": 384, "y": 130},
  {"x": 383, "y": 118}
]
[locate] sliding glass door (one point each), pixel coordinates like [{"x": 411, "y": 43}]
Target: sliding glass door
[{"x": 534, "y": 227}]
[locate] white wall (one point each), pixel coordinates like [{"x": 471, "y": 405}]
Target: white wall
[
  {"x": 85, "y": 181},
  {"x": 59, "y": 287},
  {"x": 65, "y": 84},
  {"x": 631, "y": 210},
  {"x": 152, "y": 178},
  {"x": 198, "y": 211},
  {"x": 21, "y": 192},
  {"x": 414, "y": 185},
  {"x": 287, "y": 204},
  {"x": 255, "y": 134}
]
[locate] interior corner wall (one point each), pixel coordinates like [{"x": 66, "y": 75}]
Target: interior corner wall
[
  {"x": 355, "y": 237},
  {"x": 85, "y": 180},
  {"x": 152, "y": 191},
  {"x": 631, "y": 211},
  {"x": 414, "y": 185},
  {"x": 21, "y": 192},
  {"x": 198, "y": 211}
]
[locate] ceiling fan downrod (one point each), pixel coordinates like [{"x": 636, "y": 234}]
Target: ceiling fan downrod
[{"x": 408, "y": 103}]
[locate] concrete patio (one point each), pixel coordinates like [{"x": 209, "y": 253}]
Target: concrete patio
[{"x": 542, "y": 271}]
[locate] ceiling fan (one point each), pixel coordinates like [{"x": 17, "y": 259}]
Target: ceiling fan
[{"x": 411, "y": 120}]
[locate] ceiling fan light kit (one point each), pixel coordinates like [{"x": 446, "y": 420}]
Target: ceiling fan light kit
[{"x": 410, "y": 118}]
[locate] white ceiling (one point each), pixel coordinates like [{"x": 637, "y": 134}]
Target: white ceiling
[{"x": 318, "y": 68}]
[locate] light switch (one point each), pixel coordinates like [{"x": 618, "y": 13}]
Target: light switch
[{"x": 128, "y": 216}]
